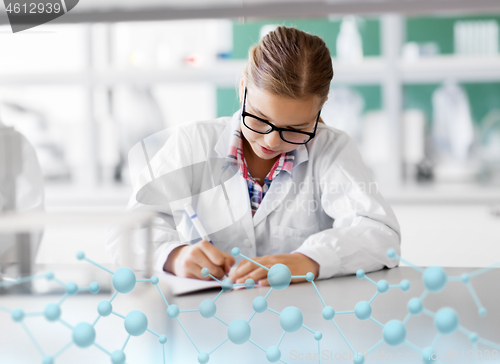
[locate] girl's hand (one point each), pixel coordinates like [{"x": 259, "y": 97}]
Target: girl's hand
[
  {"x": 298, "y": 264},
  {"x": 188, "y": 261}
]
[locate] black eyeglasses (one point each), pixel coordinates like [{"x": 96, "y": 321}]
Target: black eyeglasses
[{"x": 262, "y": 126}]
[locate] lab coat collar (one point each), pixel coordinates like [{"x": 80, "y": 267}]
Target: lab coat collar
[{"x": 222, "y": 145}]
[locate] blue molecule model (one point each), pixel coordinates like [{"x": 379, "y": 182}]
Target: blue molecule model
[
  {"x": 154, "y": 280},
  {"x": 391, "y": 253},
  {"x": 94, "y": 287},
  {"x": 72, "y": 288},
  {"x": 239, "y": 331},
  {"x": 259, "y": 304},
  {"x": 249, "y": 283},
  {"x": 235, "y": 252},
  {"x": 473, "y": 338},
  {"x": 394, "y": 333},
  {"x": 136, "y": 323},
  {"x": 279, "y": 276},
  {"x": 273, "y": 354},
  {"x": 118, "y": 357},
  {"x": 405, "y": 285},
  {"x": 415, "y": 306},
  {"x": 205, "y": 272},
  {"x": 162, "y": 339},
  {"x": 291, "y": 319},
  {"x": 104, "y": 308},
  {"x": 359, "y": 360},
  {"x": 310, "y": 277},
  {"x": 124, "y": 280},
  {"x": 360, "y": 273},
  {"x": 49, "y": 275},
  {"x": 482, "y": 311},
  {"x": 208, "y": 308},
  {"x": 363, "y": 310},
  {"x": 434, "y": 279},
  {"x": 203, "y": 358},
  {"x": 465, "y": 278},
  {"x": 446, "y": 320},
  {"x": 382, "y": 286},
  {"x": 52, "y": 312},
  {"x": 47, "y": 359},
  {"x": 429, "y": 355},
  {"x": 318, "y": 336},
  {"x": 83, "y": 335},
  {"x": 17, "y": 314},
  {"x": 80, "y": 255},
  {"x": 227, "y": 285},
  {"x": 328, "y": 313},
  {"x": 173, "y": 311}
]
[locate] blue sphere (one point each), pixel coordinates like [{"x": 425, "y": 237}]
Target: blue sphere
[
  {"x": 259, "y": 304},
  {"x": 465, "y": 278},
  {"x": 405, "y": 285},
  {"x": 310, "y": 277},
  {"x": 291, "y": 319},
  {"x": 434, "y": 279},
  {"x": 249, "y": 283},
  {"x": 239, "y": 331},
  {"x": 391, "y": 253},
  {"x": 227, "y": 285},
  {"x": 382, "y": 286},
  {"x": 235, "y": 252},
  {"x": 118, "y": 357},
  {"x": 415, "y": 306},
  {"x": 136, "y": 323},
  {"x": 72, "y": 288},
  {"x": 394, "y": 333},
  {"x": 173, "y": 311},
  {"x": 47, "y": 359},
  {"x": 80, "y": 255},
  {"x": 473, "y": 337},
  {"x": 104, "y": 308},
  {"x": 363, "y": 310},
  {"x": 360, "y": 273},
  {"x": 49, "y": 275},
  {"x": 124, "y": 280},
  {"x": 328, "y": 313},
  {"x": 318, "y": 336},
  {"x": 279, "y": 276},
  {"x": 162, "y": 339},
  {"x": 359, "y": 360},
  {"x": 94, "y": 287},
  {"x": 428, "y": 354},
  {"x": 208, "y": 308},
  {"x": 446, "y": 320},
  {"x": 83, "y": 335},
  {"x": 17, "y": 314},
  {"x": 205, "y": 272},
  {"x": 273, "y": 354},
  {"x": 52, "y": 312},
  {"x": 482, "y": 311},
  {"x": 154, "y": 280},
  {"x": 203, "y": 358}
]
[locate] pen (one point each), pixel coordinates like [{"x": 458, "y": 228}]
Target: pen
[{"x": 197, "y": 223}]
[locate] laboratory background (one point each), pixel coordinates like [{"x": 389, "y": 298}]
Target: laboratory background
[{"x": 416, "y": 85}]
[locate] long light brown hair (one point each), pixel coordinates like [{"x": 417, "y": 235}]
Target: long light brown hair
[{"x": 291, "y": 63}]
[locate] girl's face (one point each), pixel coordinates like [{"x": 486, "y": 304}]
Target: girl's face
[{"x": 283, "y": 113}]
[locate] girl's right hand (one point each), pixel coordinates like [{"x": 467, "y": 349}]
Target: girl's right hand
[{"x": 188, "y": 261}]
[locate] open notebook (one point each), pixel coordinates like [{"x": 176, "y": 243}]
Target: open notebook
[{"x": 179, "y": 286}]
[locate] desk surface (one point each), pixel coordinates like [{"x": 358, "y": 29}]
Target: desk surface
[{"x": 299, "y": 347}]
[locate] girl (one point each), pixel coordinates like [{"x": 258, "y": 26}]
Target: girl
[{"x": 308, "y": 200}]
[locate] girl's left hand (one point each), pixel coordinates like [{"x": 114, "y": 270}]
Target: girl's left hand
[{"x": 298, "y": 264}]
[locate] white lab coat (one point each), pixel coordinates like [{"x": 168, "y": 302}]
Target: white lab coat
[{"x": 328, "y": 209}]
